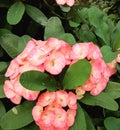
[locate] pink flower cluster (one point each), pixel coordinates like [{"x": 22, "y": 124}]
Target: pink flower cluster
[
  {"x": 63, "y": 2},
  {"x": 52, "y": 56},
  {"x": 55, "y": 110},
  {"x": 100, "y": 72}
]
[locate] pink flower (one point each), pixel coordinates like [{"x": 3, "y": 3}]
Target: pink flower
[
  {"x": 72, "y": 101},
  {"x": 79, "y": 51},
  {"x": 70, "y": 117},
  {"x": 94, "y": 51},
  {"x": 55, "y": 63},
  {"x": 13, "y": 70},
  {"x": 62, "y": 98},
  {"x": 80, "y": 92},
  {"x": 68, "y": 2},
  {"x": 36, "y": 111},
  {"x": 21, "y": 58},
  {"x": 60, "y": 118},
  {"x": 10, "y": 92},
  {"x": 46, "y": 98}
]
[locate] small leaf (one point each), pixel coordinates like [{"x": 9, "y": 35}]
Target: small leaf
[
  {"x": 3, "y": 67},
  {"x": 53, "y": 28},
  {"x": 35, "y": 80},
  {"x": 115, "y": 37},
  {"x": 9, "y": 43},
  {"x": 103, "y": 100},
  {"x": 22, "y": 42},
  {"x": 112, "y": 123},
  {"x": 99, "y": 20},
  {"x": 68, "y": 37},
  {"x": 113, "y": 89},
  {"x": 89, "y": 122},
  {"x": 2, "y": 79},
  {"x": 108, "y": 54},
  {"x": 2, "y": 109},
  {"x": 79, "y": 119},
  {"x": 15, "y": 13},
  {"x": 4, "y": 31},
  {"x": 36, "y": 14},
  {"x": 18, "y": 116},
  {"x": 77, "y": 74}
]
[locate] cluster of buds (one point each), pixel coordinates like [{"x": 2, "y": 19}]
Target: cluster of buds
[{"x": 55, "y": 110}]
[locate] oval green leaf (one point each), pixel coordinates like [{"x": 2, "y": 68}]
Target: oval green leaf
[
  {"x": 108, "y": 54},
  {"x": 9, "y": 43},
  {"x": 79, "y": 119},
  {"x": 37, "y": 81},
  {"x": 18, "y": 116},
  {"x": 3, "y": 67},
  {"x": 36, "y": 14},
  {"x": 2, "y": 79},
  {"x": 113, "y": 89},
  {"x": 15, "y": 13},
  {"x": 2, "y": 109},
  {"x": 53, "y": 28},
  {"x": 77, "y": 74},
  {"x": 112, "y": 123},
  {"x": 103, "y": 100}
]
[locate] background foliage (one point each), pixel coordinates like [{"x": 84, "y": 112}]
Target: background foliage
[{"x": 97, "y": 21}]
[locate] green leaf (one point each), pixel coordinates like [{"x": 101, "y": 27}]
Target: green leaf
[
  {"x": 115, "y": 37},
  {"x": 2, "y": 109},
  {"x": 113, "y": 89},
  {"x": 68, "y": 37},
  {"x": 2, "y": 79},
  {"x": 36, "y": 80},
  {"x": 15, "y": 13},
  {"x": 31, "y": 126},
  {"x": 103, "y": 100},
  {"x": 53, "y": 28},
  {"x": 9, "y": 43},
  {"x": 89, "y": 122},
  {"x": 4, "y": 31},
  {"x": 22, "y": 42},
  {"x": 3, "y": 67},
  {"x": 112, "y": 123},
  {"x": 77, "y": 74},
  {"x": 79, "y": 119},
  {"x": 108, "y": 54},
  {"x": 18, "y": 116},
  {"x": 36, "y": 14},
  {"x": 99, "y": 20}
]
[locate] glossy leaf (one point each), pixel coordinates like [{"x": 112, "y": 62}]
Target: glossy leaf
[
  {"x": 115, "y": 36},
  {"x": 3, "y": 67},
  {"x": 113, "y": 89},
  {"x": 4, "y": 31},
  {"x": 112, "y": 123},
  {"x": 18, "y": 116},
  {"x": 89, "y": 122},
  {"x": 35, "y": 80},
  {"x": 36, "y": 14},
  {"x": 22, "y": 42},
  {"x": 9, "y": 43},
  {"x": 53, "y": 28},
  {"x": 2, "y": 109},
  {"x": 80, "y": 122},
  {"x": 99, "y": 20},
  {"x": 68, "y": 37},
  {"x": 77, "y": 74},
  {"x": 2, "y": 79},
  {"x": 103, "y": 100},
  {"x": 15, "y": 13},
  {"x": 108, "y": 54}
]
